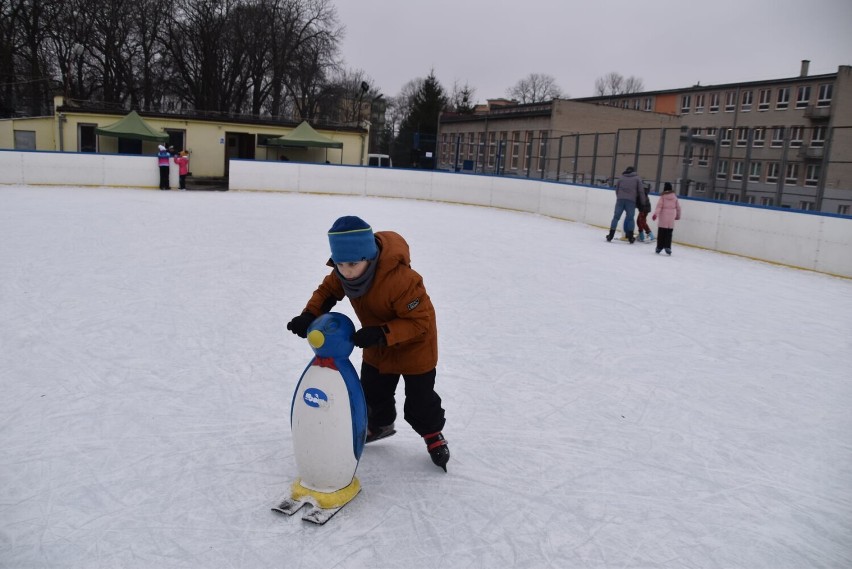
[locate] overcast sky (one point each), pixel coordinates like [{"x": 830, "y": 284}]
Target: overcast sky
[{"x": 666, "y": 43}]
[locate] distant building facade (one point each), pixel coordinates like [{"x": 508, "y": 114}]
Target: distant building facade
[{"x": 784, "y": 142}]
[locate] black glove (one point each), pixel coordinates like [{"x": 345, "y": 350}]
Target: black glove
[
  {"x": 299, "y": 324},
  {"x": 369, "y": 336}
]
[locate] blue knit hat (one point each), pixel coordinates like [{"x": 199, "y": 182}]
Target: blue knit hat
[{"x": 351, "y": 240}]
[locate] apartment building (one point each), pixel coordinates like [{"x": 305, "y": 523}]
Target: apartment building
[{"x": 783, "y": 142}]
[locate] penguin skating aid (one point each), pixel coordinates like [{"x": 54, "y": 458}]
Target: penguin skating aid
[{"x": 328, "y": 419}]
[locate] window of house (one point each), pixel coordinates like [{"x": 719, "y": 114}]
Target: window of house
[
  {"x": 699, "y": 103},
  {"x": 818, "y": 136},
  {"x": 687, "y": 155},
  {"x": 492, "y": 148},
  {"x": 812, "y": 175},
  {"x": 87, "y": 140},
  {"x": 824, "y": 95},
  {"x": 737, "y": 171},
  {"x": 703, "y": 156},
  {"x": 792, "y": 174},
  {"x": 765, "y": 97},
  {"x": 685, "y": 103},
  {"x": 733, "y": 197},
  {"x": 649, "y": 104},
  {"x": 772, "y": 170},
  {"x": 796, "y": 133},
  {"x": 843, "y": 209},
  {"x": 637, "y": 104},
  {"x": 766, "y": 201},
  {"x": 806, "y": 205},
  {"x": 471, "y": 146},
  {"x": 754, "y": 170},
  {"x": 803, "y": 95},
  {"x": 722, "y": 170},
  {"x": 746, "y": 101},
  {"x": 527, "y": 150},
  {"x": 783, "y": 99},
  {"x": 700, "y": 187},
  {"x": 749, "y": 200},
  {"x": 25, "y": 140},
  {"x": 697, "y": 131},
  {"x": 480, "y": 154},
  {"x": 542, "y": 150},
  {"x": 730, "y": 101},
  {"x": 714, "y": 102},
  {"x": 759, "y": 137},
  {"x": 503, "y": 148},
  {"x": 742, "y": 136},
  {"x": 777, "y": 137},
  {"x": 516, "y": 148},
  {"x": 711, "y": 131},
  {"x": 726, "y": 137},
  {"x": 719, "y": 196}
]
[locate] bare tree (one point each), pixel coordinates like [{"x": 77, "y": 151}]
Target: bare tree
[
  {"x": 461, "y": 98},
  {"x": 535, "y": 88},
  {"x": 614, "y": 83}
]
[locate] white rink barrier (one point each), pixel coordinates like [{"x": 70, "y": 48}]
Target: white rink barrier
[
  {"x": 805, "y": 240},
  {"x": 78, "y": 169},
  {"x": 812, "y": 241}
]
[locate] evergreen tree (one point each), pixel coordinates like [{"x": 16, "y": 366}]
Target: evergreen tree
[{"x": 419, "y": 128}]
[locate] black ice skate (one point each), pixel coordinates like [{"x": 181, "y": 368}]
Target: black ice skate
[{"x": 436, "y": 444}]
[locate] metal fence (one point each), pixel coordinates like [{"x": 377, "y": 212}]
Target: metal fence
[{"x": 807, "y": 168}]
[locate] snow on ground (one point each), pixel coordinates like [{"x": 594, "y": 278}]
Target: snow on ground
[{"x": 607, "y": 407}]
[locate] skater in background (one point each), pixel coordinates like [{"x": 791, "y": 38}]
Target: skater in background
[
  {"x": 163, "y": 157},
  {"x": 399, "y": 334},
  {"x": 668, "y": 210},
  {"x": 182, "y": 160},
  {"x": 628, "y": 193},
  {"x": 642, "y": 219}
]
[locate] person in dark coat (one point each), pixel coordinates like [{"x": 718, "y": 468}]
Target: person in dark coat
[
  {"x": 628, "y": 193},
  {"x": 399, "y": 334},
  {"x": 642, "y": 218}
]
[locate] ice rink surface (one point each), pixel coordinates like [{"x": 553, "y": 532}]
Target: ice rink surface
[{"x": 607, "y": 407}]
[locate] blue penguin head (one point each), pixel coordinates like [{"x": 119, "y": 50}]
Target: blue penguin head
[{"x": 330, "y": 335}]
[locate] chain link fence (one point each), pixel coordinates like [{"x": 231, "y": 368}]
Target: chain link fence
[{"x": 805, "y": 168}]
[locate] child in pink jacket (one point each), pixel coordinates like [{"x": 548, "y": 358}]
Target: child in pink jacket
[
  {"x": 668, "y": 210},
  {"x": 182, "y": 160}
]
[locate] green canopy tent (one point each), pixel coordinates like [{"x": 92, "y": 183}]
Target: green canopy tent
[
  {"x": 304, "y": 136},
  {"x": 133, "y": 127}
]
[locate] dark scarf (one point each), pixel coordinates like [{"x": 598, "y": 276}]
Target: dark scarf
[{"x": 358, "y": 287}]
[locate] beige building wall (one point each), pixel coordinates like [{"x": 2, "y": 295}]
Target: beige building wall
[{"x": 210, "y": 144}]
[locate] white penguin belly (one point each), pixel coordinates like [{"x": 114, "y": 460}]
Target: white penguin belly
[{"x": 322, "y": 431}]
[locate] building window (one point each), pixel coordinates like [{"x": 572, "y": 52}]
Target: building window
[
  {"x": 749, "y": 200},
  {"x": 25, "y": 140},
  {"x": 719, "y": 196},
  {"x": 714, "y": 102},
  {"x": 747, "y": 101},
  {"x": 733, "y": 197},
  {"x": 703, "y": 156},
  {"x": 742, "y": 136},
  {"x": 754, "y": 171},
  {"x": 481, "y": 150},
  {"x": 812, "y": 175},
  {"x": 730, "y": 101},
  {"x": 471, "y": 147},
  {"x": 824, "y": 95},
  {"x": 759, "y": 137},
  {"x": 542, "y": 150},
  {"x": 792, "y": 175},
  {"x": 796, "y": 136},
  {"x": 772, "y": 172},
  {"x": 649, "y": 104},
  {"x": 806, "y": 206},
  {"x": 699, "y": 103},
  {"x": 527, "y": 150},
  {"x": 685, "y": 103},
  {"x": 777, "y": 137},
  {"x": 737, "y": 172},
  {"x": 516, "y": 148},
  {"x": 492, "y": 148},
  {"x": 803, "y": 95},
  {"x": 766, "y": 201},
  {"x": 765, "y": 98},
  {"x": 843, "y": 209},
  {"x": 711, "y": 131},
  {"x": 637, "y": 104},
  {"x": 818, "y": 136},
  {"x": 783, "y": 100},
  {"x": 687, "y": 157},
  {"x": 726, "y": 137},
  {"x": 700, "y": 187},
  {"x": 722, "y": 170},
  {"x": 87, "y": 140}
]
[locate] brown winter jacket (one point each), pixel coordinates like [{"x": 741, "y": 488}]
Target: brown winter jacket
[{"x": 397, "y": 300}]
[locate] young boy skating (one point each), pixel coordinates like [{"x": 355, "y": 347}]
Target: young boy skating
[{"x": 399, "y": 333}]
